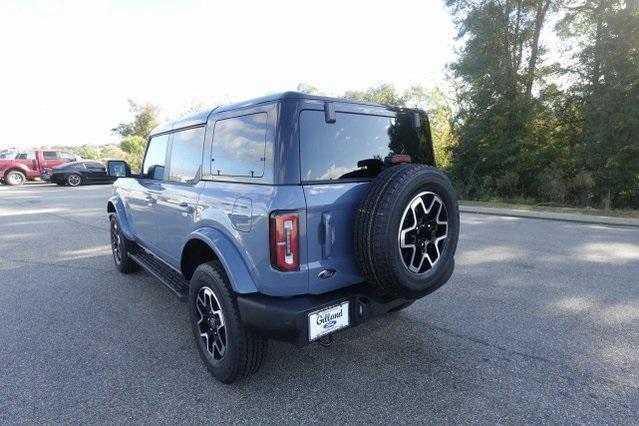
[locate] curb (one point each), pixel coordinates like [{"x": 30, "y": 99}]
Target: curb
[{"x": 563, "y": 217}]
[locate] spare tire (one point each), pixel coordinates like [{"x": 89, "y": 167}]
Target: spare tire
[{"x": 406, "y": 231}]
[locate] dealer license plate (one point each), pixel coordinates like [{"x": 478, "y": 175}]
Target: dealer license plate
[{"x": 327, "y": 320}]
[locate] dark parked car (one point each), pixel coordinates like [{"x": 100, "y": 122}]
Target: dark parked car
[
  {"x": 78, "y": 173},
  {"x": 288, "y": 217}
]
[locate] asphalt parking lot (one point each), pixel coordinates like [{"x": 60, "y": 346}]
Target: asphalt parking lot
[{"x": 539, "y": 324}]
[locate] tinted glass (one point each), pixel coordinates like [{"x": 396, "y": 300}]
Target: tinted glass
[
  {"x": 155, "y": 159},
  {"x": 98, "y": 166},
  {"x": 356, "y": 145},
  {"x": 29, "y": 155},
  {"x": 239, "y": 146},
  {"x": 66, "y": 156},
  {"x": 117, "y": 168},
  {"x": 186, "y": 154},
  {"x": 49, "y": 155}
]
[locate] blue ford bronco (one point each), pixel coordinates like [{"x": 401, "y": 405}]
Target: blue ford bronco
[{"x": 286, "y": 217}]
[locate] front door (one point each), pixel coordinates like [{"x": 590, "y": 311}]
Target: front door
[
  {"x": 177, "y": 205},
  {"x": 96, "y": 172},
  {"x": 142, "y": 195}
]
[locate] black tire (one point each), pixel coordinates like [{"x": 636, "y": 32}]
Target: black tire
[
  {"x": 121, "y": 247},
  {"x": 73, "y": 179},
  {"x": 382, "y": 211},
  {"x": 244, "y": 349},
  {"x": 15, "y": 178}
]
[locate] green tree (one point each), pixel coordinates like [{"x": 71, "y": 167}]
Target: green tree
[
  {"x": 133, "y": 146},
  {"x": 112, "y": 152},
  {"x": 144, "y": 121},
  {"x": 381, "y": 94},
  {"x": 88, "y": 152},
  {"x": 433, "y": 101},
  {"x": 496, "y": 75},
  {"x": 308, "y": 89},
  {"x": 135, "y": 133},
  {"x": 606, "y": 34},
  {"x": 440, "y": 115}
]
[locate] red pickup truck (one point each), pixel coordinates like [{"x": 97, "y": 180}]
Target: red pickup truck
[{"x": 30, "y": 165}]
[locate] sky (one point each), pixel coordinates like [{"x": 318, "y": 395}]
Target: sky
[{"x": 68, "y": 67}]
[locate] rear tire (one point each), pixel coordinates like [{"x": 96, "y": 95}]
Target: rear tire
[
  {"x": 15, "y": 178},
  {"x": 74, "y": 179},
  {"x": 406, "y": 231},
  {"x": 229, "y": 350}
]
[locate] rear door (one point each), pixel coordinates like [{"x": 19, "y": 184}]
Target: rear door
[
  {"x": 338, "y": 159},
  {"x": 50, "y": 159}
]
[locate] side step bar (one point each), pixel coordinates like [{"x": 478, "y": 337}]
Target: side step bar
[{"x": 170, "y": 278}]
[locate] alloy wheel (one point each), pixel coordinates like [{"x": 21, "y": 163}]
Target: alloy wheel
[
  {"x": 74, "y": 180},
  {"x": 422, "y": 232},
  {"x": 15, "y": 179},
  {"x": 211, "y": 323},
  {"x": 115, "y": 242}
]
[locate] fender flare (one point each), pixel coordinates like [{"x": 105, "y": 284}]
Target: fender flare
[
  {"x": 17, "y": 168},
  {"x": 234, "y": 264},
  {"x": 115, "y": 206}
]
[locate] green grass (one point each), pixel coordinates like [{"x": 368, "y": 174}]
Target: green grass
[{"x": 527, "y": 204}]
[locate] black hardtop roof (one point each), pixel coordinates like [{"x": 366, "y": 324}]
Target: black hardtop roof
[{"x": 202, "y": 116}]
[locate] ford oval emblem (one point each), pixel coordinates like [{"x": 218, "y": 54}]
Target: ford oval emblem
[
  {"x": 326, "y": 273},
  {"x": 329, "y": 324}
]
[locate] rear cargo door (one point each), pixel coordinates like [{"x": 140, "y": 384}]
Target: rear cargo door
[{"x": 339, "y": 155}]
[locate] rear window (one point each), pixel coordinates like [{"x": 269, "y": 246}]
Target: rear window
[{"x": 355, "y": 145}]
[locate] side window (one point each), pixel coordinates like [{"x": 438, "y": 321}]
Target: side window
[
  {"x": 49, "y": 155},
  {"x": 29, "y": 155},
  {"x": 155, "y": 159},
  {"x": 239, "y": 146},
  {"x": 95, "y": 166},
  {"x": 186, "y": 155},
  {"x": 66, "y": 156}
]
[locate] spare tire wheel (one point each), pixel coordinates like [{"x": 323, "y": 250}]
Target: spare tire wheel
[{"x": 406, "y": 231}]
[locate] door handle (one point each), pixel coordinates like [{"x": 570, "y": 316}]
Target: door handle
[
  {"x": 150, "y": 201},
  {"x": 328, "y": 237},
  {"x": 186, "y": 208}
]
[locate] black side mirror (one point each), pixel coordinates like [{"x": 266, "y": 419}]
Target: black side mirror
[
  {"x": 118, "y": 168},
  {"x": 156, "y": 172}
]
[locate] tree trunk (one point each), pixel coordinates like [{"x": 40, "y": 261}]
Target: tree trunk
[
  {"x": 596, "y": 63},
  {"x": 517, "y": 50},
  {"x": 542, "y": 8}
]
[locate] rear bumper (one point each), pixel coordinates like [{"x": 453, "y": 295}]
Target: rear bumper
[{"x": 286, "y": 319}]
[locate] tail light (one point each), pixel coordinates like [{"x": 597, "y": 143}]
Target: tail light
[{"x": 284, "y": 241}]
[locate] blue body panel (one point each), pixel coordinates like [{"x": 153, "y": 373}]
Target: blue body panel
[{"x": 231, "y": 214}]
